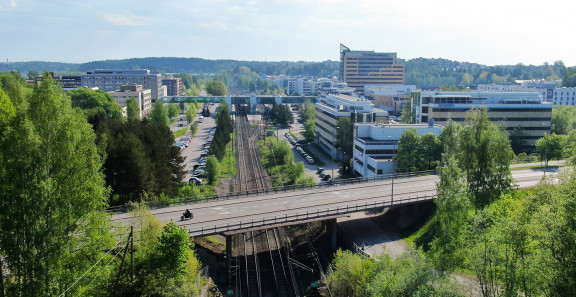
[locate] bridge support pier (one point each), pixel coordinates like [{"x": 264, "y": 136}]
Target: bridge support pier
[
  {"x": 229, "y": 261},
  {"x": 332, "y": 230}
]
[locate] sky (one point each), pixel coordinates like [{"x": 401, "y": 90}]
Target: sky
[{"x": 491, "y": 32}]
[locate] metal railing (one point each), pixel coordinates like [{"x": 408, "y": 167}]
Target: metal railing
[
  {"x": 300, "y": 216},
  {"x": 269, "y": 191}
]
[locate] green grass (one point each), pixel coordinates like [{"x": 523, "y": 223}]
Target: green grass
[
  {"x": 180, "y": 132},
  {"x": 213, "y": 239},
  {"x": 422, "y": 237},
  {"x": 228, "y": 164}
]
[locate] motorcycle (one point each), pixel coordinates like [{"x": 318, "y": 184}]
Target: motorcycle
[{"x": 186, "y": 216}]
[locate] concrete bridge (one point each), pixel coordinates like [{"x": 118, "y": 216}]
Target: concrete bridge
[
  {"x": 230, "y": 216},
  {"x": 251, "y": 100}
]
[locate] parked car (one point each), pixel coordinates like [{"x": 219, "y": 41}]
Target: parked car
[
  {"x": 322, "y": 174},
  {"x": 326, "y": 177},
  {"x": 320, "y": 169},
  {"x": 195, "y": 180}
]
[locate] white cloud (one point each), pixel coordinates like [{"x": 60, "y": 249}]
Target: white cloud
[
  {"x": 126, "y": 20},
  {"x": 8, "y": 4}
]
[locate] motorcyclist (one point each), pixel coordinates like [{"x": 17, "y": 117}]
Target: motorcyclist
[{"x": 187, "y": 214}]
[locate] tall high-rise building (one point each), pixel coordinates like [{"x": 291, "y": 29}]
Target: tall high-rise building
[{"x": 360, "y": 68}]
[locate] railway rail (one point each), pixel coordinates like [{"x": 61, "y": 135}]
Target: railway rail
[{"x": 251, "y": 175}]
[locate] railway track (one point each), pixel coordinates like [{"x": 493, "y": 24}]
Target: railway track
[
  {"x": 262, "y": 266},
  {"x": 251, "y": 175}
]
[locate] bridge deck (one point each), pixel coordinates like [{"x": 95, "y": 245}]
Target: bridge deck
[{"x": 236, "y": 215}]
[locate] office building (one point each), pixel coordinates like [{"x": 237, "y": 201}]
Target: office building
[
  {"x": 331, "y": 108},
  {"x": 360, "y": 68},
  {"x": 526, "y": 116},
  {"x": 110, "y": 80},
  {"x": 391, "y": 98},
  {"x": 545, "y": 88},
  {"x": 564, "y": 96},
  {"x": 375, "y": 146},
  {"x": 143, "y": 98},
  {"x": 173, "y": 86}
]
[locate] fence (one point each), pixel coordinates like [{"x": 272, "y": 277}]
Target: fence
[
  {"x": 301, "y": 216},
  {"x": 201, "y": 199}
]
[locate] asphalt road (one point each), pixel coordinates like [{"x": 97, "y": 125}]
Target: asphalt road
[{"x": 336, "y": 201}]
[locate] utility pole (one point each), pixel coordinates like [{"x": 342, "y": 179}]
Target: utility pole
[
  {"x": 122, "y": 263},
  {"x": 132, "y": 255}
]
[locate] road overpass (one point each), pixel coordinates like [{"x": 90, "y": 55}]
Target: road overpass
[
  {"x": 290, "y": 208},
  {"x": 251, "y": 100}
]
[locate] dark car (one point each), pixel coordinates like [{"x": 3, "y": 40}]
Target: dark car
[
  {"x": 195, "y": 180},
  {"x": 326, "y": 177}
]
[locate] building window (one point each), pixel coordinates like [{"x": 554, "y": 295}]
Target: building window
[{"x": 371, "y": 168}]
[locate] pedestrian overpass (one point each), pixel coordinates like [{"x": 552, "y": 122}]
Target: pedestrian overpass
[{"x": 251, "y": 100}]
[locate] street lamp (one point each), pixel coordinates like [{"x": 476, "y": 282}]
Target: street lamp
[
  {"x": 335, "y": 148},
  {"x": 393, "y": 168},
  {"x": 546, "y": 150}
]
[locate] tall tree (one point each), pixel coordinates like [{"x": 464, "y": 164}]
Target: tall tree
[
  {"x": 451, "y": 213},
  {"x": 450, "y": 138},
  {"x": 431, "y": 150},
  {"x": 173, "y": 110},
  {"x": 485, "y": 158},
  {"x": 409, "y": 156},
  {"x": 89, "y": 99},
  {"x": 408, "y": 116},
  {"x": 552, "y": 147},
  {"x": 132, "y": 109},
  {"x": 159, "y": 114},
  {"x": 216, "y": 88},
  {"x": 345, "y": 142},
  {"x": 212, "y": 169},
  {"x": 563, "y": 119},
  {"x": 141, "y": 159},
  {"x": 51, "y": 195}
]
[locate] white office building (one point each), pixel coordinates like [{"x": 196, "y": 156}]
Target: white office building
[
  {"x": 375, "y": 146},
  {"x": 564, "y": 96},
  {"x": 525, "y": 115},
  {"x": 331, "y": 108}
]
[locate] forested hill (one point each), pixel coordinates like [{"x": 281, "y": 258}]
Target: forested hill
[
  {"x": 182, "y": 65},
  {"x": 423, "y": 72}
]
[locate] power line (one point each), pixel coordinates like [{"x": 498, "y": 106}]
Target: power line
[{"x": 73, "y": 284}]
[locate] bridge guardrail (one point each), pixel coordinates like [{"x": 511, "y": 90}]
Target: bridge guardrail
[
  {"x": 298, "y": 216},
  {"x": 210, "y": 198}
]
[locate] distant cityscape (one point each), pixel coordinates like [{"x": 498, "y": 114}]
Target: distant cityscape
[{"x": 370, "y": 90}]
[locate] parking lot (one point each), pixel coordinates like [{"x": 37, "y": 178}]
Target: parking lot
[{"x": 195, "y": 147}]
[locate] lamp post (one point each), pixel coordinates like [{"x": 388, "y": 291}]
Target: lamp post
[
  {"x": 335, "y": 148},
  {"x": 546, "y": 150},
  {"x": 393, "y": 168}
]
